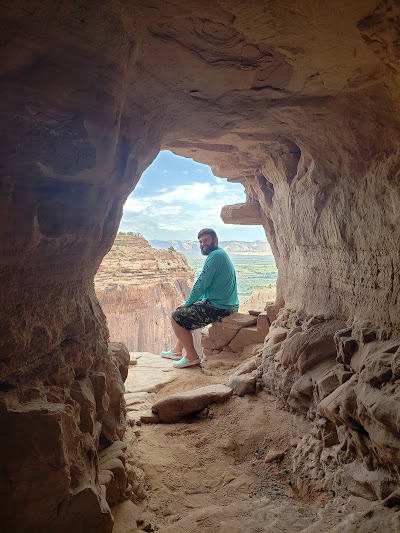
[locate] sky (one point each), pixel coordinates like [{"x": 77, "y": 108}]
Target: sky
[{"x": 176, "y": 197}]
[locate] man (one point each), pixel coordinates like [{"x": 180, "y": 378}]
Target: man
[{"x": 214, "y": 295}]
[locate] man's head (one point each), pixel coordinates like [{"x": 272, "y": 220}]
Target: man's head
[{"x": 208, "y": 240}]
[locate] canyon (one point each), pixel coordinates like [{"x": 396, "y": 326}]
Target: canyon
[
  {"x": 138, "y": 287},
  {"x": 299, "y": 102}
]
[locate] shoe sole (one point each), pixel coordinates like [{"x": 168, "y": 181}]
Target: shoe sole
[
  {"x": 193, "y": 363},
  {"x": 173, "y": 357}
]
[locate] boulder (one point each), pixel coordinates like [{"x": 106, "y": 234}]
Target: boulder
[
  {"x": 248, "y": 366},
  {"x": 242, "y": 384},
  {"x": 272, "y": 310},
  {"x": 210, "y": 343},
  {"x": 240, "y": 319},
  {"x": 182, "y": 404},
  {"x": 148, "y": 417},
  {"x": 275, "y": 335},
  {"x": 274, "y": 455},
  {"x": 218, "y": 330},
  {"x": 263, "y": 322},
  {"x": 246, "y": 336}
]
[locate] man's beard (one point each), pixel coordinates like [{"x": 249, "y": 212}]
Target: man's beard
[{"x": 206, "y": 250}]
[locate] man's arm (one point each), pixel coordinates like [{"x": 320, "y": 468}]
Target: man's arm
[{"x": 203, "y": 281}]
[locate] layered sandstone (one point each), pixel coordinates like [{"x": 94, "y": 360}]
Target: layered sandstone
[
  {"x": 346, "y": 380},
  {"x": 234, "y": 332},
  {"x": 138, "y": 286},
  {"x": 299, "y": 101}
]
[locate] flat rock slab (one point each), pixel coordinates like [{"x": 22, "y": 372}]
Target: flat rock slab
[
  {"x": 240, "y": 319},
  {"x": 148, "y": 375},
  {"x": 174, "y": 407}
]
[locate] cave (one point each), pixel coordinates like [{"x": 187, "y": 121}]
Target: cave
[{"x": 297, "y": 101}]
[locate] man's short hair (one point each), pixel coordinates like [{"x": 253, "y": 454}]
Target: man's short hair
[{"x": 207, "y": 231}]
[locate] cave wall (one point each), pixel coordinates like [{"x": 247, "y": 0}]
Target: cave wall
[
  {"x": 65, "y": 173},
  {"x": 298, "y": 101}
]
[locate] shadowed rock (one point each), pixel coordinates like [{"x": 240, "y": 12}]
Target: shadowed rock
[{"x": 177, "y": 406}]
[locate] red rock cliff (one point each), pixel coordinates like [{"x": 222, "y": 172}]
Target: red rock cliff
[{"x": 138, "y": 287}]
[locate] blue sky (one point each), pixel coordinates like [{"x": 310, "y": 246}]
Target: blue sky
[{"x": 176, "y": 197}]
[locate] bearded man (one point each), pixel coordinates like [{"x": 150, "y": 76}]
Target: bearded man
[{"x": 214, "y": 296}]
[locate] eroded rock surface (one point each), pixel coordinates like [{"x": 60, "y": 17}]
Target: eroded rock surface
[
  {"x": 54, "y": 431},
  {"x": 346, "y": 381}
]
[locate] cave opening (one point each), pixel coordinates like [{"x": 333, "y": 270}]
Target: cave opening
[{"x": 174, "y": 199}]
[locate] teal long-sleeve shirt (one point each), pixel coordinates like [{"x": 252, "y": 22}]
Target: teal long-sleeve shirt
[{"x": 216, "y": 282}]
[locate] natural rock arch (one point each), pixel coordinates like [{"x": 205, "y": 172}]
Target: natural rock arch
[{"x": 299, "y": 103}]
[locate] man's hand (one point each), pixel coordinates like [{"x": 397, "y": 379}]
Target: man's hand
[{"x": 181, "y": 306}]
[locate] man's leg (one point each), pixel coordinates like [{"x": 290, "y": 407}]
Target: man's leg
[
  {"x": 177, "y": 349},
  {"x": 185, "y": 339}
]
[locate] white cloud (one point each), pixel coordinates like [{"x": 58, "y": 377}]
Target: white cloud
[
  {"x": 134, "y": 205},
  {"x": 197, "y": 193},
  {"x": 188, "y": 193},
  {"x": 184, "y": 208},
  {"x": 179, "y": 212}
]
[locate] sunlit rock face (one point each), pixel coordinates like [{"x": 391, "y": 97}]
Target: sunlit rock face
[
  {"x": 138, "y": 287},
  {"x": 299, "y": 102}
]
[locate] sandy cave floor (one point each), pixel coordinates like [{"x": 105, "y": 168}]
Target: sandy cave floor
[{"x": 209, "y": 473}]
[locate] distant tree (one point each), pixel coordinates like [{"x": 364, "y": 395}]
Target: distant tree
[
  {"x": 171, "y": 249},
  {"x": 134, "y": 233}
]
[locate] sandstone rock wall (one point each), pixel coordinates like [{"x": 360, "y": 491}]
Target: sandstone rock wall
[
  {"x": 138, "y": 287},
  {"x": 346, "y": 380},
  {"x": 299, "y": 101}
]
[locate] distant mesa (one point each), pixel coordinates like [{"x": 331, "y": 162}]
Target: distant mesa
[{"x": 191, "y": 247}]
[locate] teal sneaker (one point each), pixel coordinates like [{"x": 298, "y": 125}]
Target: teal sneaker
[
  {"x": 185, "y": 362},
  {"x": 169, "y": 354}
]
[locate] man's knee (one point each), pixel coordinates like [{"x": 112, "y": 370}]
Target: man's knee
[
  {"x": 186, "y": 318},
  {"x": 175, "y": 315}
]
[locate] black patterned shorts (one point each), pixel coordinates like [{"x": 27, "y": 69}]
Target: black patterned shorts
[{"x": 199, "y": 315}]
